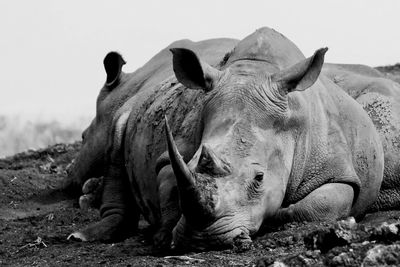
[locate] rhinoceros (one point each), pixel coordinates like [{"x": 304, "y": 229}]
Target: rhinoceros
[{"x": 209, "y": 140}]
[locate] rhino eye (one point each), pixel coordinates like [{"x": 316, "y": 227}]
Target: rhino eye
[
  {"x": 254, "y": 188},
  {"x": 259, "y": 176}
]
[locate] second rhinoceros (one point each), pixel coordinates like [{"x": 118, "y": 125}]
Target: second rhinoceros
[{"x": 226, "y": 135}]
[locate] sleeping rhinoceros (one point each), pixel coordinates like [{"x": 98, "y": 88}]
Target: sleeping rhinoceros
[{"x": 212, "y": 140}]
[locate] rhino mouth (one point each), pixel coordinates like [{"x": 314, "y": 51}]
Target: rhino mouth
[{"x": 214, "y": 237}]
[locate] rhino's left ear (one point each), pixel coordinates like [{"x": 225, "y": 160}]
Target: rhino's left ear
[
  {"x": 113, "y": 63},
  {"x": 301, "y": 75},
  {"x": 191, "y": 71}
]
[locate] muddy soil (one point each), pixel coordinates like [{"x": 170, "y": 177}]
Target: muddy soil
[{"x": 35, "y": 220}]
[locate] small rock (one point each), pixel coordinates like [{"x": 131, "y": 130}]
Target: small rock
[
  {"x": 242, "y": 246},
  {"x": 305, "y": 260},
  {"x": 382, "y": 255},
  {"x": 349, "y": 223},
  {"x": 324, "y": 240},
  {"x": 286, "y": 241},
  {"x": 270, "y": 244},
  {"x": 263, "y": 262},
  {"x": 340, "y": 234},
  {"x": 312, "y": 254},
  {"x": 296, "y": 237},
  {"x": 278, "y": 264},
  {"x": 343, "y": 259},
  {"x": 343, "y": 229},
  {"x": 386, "y": 232},
  {"x": 184, "y": 258}
]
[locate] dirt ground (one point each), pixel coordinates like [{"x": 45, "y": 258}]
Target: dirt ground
[{"x": 35, "y": 220}]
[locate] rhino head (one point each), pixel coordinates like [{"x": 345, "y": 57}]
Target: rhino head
[
  {"x": 92, "y": 155},
  {"x": 238, "y": 176}
]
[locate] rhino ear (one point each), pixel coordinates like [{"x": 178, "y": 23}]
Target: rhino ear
[
  {"x": 191, "y": 71},
  {"x": 113, "y": 63},
  {"x": 301, "y": 75}
]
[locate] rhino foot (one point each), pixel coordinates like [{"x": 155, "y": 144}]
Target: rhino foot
[
  {"x": 111, "y": 228},
  {"x": 92, "y": 190},
  {"x": 77, "y": 236},
  {"x": 162, "y": 239},
  {"x": 87, "y": 201}
]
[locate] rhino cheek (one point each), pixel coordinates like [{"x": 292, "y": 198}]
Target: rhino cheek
[{"x": 272, "y": 201}]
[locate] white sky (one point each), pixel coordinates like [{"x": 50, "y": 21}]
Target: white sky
[{"x": 51, "y": 51}]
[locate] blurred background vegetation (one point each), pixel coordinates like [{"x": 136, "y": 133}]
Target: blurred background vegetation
[{"x": 18, "y": 133}]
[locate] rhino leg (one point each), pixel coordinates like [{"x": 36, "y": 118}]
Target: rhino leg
[
  {"x": 119, "y": 215},
  {"x": 329, "y": 202},
  {"x": 169, "y": 205}
]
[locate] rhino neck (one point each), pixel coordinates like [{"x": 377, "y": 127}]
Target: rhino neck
[{"x": 267, "y": 45}]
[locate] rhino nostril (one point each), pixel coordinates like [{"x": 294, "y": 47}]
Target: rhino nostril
[{"x": 242, "y": 235}]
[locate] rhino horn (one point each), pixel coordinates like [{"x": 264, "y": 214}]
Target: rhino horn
[
  {"x": 189, "y": 194},
  {"x": 210, "y": 163}
]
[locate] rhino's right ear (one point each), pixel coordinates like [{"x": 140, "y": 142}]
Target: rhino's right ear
[
  {"x": 301, "y": 75},
  {"x": 193, "y": 72},
  {"x": 113, "y": 63}
]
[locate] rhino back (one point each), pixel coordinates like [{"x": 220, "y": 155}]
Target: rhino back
[
  {"x": 139, "y": 84},
  {"x": 381, "y": 100},
  {"x": 160, "y": 94},
  {"x": 354, "y": 68}
]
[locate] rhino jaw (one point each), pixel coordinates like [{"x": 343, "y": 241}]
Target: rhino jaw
[{"x": 214, "y": 236}]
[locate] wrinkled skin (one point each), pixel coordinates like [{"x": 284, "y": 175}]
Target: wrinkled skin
[{"x": 263, "y": 138}]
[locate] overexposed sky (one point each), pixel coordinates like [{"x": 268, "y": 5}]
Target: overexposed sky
[{"x": 51, "y": 51}]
